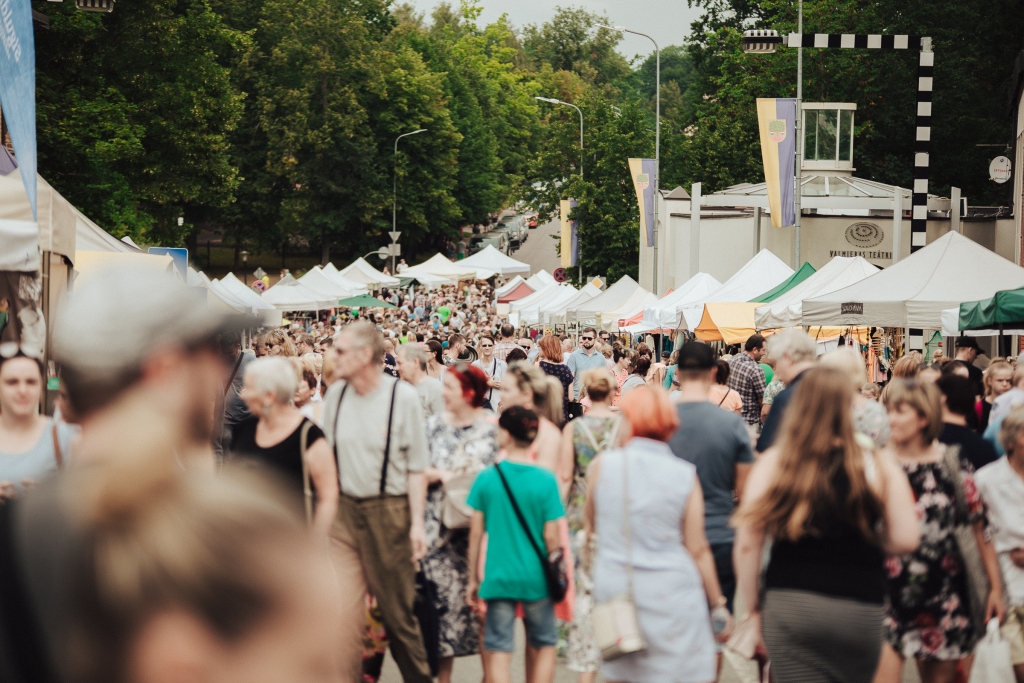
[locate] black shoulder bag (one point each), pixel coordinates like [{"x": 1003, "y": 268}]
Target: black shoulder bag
[{"x": 554, "y": 564}]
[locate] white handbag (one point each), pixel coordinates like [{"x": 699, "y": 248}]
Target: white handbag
[{"x": 616, "y": 627}]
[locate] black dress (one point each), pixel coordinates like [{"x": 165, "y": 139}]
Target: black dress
[
  {"x": 563, "y": 374},
  {"x": 283, "y": 458}
]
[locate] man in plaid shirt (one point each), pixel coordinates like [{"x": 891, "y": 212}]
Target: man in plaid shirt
[
  {"x": 747, "y": 378},
  {"x": 507, "y": 342}
]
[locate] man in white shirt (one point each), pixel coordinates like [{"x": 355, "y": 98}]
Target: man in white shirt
[{"x": 375, "y": 425}]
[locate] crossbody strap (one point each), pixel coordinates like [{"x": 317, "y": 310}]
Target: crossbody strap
[
  {"x": 387, "y": 442},
  {"x": 334, "y": 433},
  {"x": 522, "y": 520},
  {"x": 57, "y": 454},
  {"x": 626, "y": 523},
  {"x": 234, "y": 371}
]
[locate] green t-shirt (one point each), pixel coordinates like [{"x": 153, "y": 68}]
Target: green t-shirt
[
  {"x": 670, "y": 375},
  {"x": 769, "y": 374},
  {"x": 445, "y": 313},
  {"x": 513, "y": 571}
]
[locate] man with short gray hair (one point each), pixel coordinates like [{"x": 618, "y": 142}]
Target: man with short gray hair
[
  {"x": 794, "y": 352},
  {"x": 412, "y": 367},
  {"x": 375, "y": 425}
]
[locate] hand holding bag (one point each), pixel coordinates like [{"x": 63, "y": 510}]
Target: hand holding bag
[
  {"x": 992, "y": 662},
  {"x": 616, "y": 627}
]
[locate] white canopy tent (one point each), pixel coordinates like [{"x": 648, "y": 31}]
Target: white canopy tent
[
  {"x": 757, "y": 276},
  {"x": 535, "y": 298},
  {"x": 508, "y": 286},
  {"x": 490, "y": 259},
  {"x": 290, "y": 295},
  {"x": 320, "y": 283},
  {"x": 554, "y": 313},
  {"x": 540, "y": 280},
  {"x": 787, "y": 310},
  {"x": 914, "y": 292},
  {"x": 663, "y": 313},
  {"x": 217, "y": 299},
  {"x": 635, "y": 304},
  {"x": 531, "y": 314},
  {"x": 335, "y": 276},
  {"x": 362, "y": 272},
  {"x": 438, "y": 266},
  {"x": 608, "y": 300},
  {"x": 265, "y": 310}
]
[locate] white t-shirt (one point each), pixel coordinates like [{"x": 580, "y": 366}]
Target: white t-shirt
[
  {"x": 495, "y": 370},
  {"x": 1002, "y": 489}
]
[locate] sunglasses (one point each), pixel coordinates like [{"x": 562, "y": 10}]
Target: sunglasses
[
  {"x": 586, "y": 339},
  {"x": 524, "y": 346},
  {"x": 487, "y": 346}
]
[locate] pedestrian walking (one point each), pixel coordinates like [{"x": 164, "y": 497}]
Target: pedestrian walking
[
  {"x": 717, "y": 443},
  {"x": 493, "y": 368},
  {"x": 869, "y": 417},
  {"x": 997, "y": 381},
  {"x": 462, "y": 443},
  {"x": 638, "y": 370},
  {"x": 958, "y": 402},
  {"x": 833, "y": 507},
  {"x": 527, "y": 386},
  {"x": 586, "y": 357},
  {"x": 1001, "y": 485},
  {"x": 747, "y": 378},
  {"x": 794, "y": 352},
  {"x": 31, "y": 445},
  {"x": 928, "y": 615},
  {"x": 622, "y": 362},
  {"x": 506, "y": 343},
  {"x": 552, "y": 364},
  {"x": 518, "y": 505},
  {"x": 584, "y": 439},
  {"x": 721, "y": 394},
  {"x": 376, "y": 428},
  {"x": 647, "y": 509},
  {"x": 413, "y": 361}
]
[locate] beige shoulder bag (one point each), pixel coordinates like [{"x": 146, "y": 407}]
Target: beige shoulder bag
[{"x": 616, "y": 628}]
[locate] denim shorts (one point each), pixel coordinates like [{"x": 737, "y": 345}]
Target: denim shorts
[{"x": 538, "y": 617}]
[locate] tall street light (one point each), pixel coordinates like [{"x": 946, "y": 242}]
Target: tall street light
[
  {"x": 657, "y": 136},
  {"x": 394, "y": 196},
  {"x": 551, "y": 100}
]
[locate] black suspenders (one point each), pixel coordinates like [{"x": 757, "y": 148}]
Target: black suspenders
[{"x": 387, "y": 442}]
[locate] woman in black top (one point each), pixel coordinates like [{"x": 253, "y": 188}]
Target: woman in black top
[
  {"x": 834, "y": 509},
  {"x": 272, "y": 437}
]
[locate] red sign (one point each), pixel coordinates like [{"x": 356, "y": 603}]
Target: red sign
[
  {"x": 259, "y": 286},
  {"x": 561, "y": 275}
]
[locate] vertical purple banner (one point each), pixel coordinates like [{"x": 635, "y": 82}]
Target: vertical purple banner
[{"x": 785, "y": 110}]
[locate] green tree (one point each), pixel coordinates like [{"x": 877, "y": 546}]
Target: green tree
[{"x": 569, "y": 42}]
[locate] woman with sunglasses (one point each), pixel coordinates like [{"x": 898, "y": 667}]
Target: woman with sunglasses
[
  {"x": 31, "y": 444},
  {"x": 493, "y": 368}
]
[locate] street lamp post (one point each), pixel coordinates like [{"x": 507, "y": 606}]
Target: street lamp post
[
  {"x": 552, "y": 100},
  {"x": 657, "y": 138},
  {"x": 394, "y": 196}
]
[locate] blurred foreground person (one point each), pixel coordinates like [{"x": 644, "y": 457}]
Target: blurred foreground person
[
  {"x": 137, "y": 571},
  {"x": 143, "y": 369},
  {"x": 834, "y": 508},
  {"x": 869, "y": 417}
]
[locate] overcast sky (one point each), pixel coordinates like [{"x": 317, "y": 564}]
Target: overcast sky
[{"x": 667, "y": 21}]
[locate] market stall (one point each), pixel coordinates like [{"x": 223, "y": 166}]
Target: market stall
[
  {"x": 290, "y": 295},
  {"x": 319, "y": 282},
  {"x": 492, "y": 260},
  {"x": 440, "y": 267},
  {"x": 513, "y": 290},
  {"x": 757, "y": 276},
  {"x": 588, "y": 313},
  {"x": 362, "y": 272},
  {"x": 786, "y": 310},
  {"x": 555, "y": 315},
  {"x": 664, "y": 313}
]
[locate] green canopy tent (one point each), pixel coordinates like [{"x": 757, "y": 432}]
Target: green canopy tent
[
  {"x": 364, "y": 301},
  {"x": 805, "y": 271},
  {"x": 1002, "y": 311}
]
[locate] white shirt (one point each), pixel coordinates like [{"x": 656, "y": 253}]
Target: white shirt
[
  {"x": 1002, "y": 489},
  {"x": 495, "y": 369}
]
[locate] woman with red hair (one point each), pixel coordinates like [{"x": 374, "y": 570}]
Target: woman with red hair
[
  {"x": 646, "y": 506},
  {"x": 462, "y": 442},
  {"x": 552, "y": 363}
]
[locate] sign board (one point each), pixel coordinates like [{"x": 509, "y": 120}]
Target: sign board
[
  {"x": 259, "y": 274},
  {"x": 394, "y": 249},
  {"x": 999, "y": 169},
  {"x": 178, "y": 256},
  {"x": 259, "y": 286},
  {"x": 851, "y": 309},
  {"x": 597, "y": 282},
  {"x": 560, "y": 275},
  {"x": 395, "y": 234}
]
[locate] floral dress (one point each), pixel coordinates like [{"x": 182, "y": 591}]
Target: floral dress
[
  {"x": 454, "y": 449},
  {"x": 582, "y": 653},
  {"x": 927, "y": 615},
  {"x": 563, "y": 374}
]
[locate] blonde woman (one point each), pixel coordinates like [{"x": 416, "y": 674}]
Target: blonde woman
[
  {"x": 834, "y": 508},
  {"x": 998, "y": 380},
  {"x": 278, "y": 343},
  {"x": 527, "y": 386}
]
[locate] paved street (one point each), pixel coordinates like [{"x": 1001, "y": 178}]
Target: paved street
[{"x": 540, "y": 250}]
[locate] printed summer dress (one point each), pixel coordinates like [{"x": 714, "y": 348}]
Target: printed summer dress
[{"x": 927, "y": 615}]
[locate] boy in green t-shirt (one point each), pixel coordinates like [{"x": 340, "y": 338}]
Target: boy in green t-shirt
[{"x": 513, "y": 572}]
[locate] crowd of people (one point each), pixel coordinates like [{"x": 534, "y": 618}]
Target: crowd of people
[{"x": 214, "y": 503}]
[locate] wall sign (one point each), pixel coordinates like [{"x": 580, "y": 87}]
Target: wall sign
[
  {"x": 851, "y": 309},
  {"x": 864, "y": 235}
]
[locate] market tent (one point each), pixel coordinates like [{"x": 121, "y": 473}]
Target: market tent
[
  {"x": 534, "y": 298},
  {"x": 787, "y": 309},
  {"x": 217, "y": 299},
  {"x": 914, "y": 292},
  {"x": 531, "y": 315},
  {"x": 757, "y": 276},
  {"x": 728, "y": 321},
  {"x": 521, "y": 291},
  {"x": 555, "y": 315},
  {"x": 663, "y": 312},
  {"x": 320, "y": 283},
  {"x": 364, "y": 301},
  {"x": 540, "y": 279},
  {"x": 490, "y": 259},
  {"x": 438, "y": 266},
  {"x": 269, "y": 315},
  {"x": 91, "y": 262},
  {"x": 1004, "y": 308},
  {"x": 289, "y": 295},
  {"x": 804, "y": 272},
  {"x": 335, "y": 276},
  {"x": 951, "y": 326},
  {"x": 508, "y": 286},
  {"x": 362, "y": 272},
  {"x": 610, "y": 319},
  {"x": 608, "y": 300}
]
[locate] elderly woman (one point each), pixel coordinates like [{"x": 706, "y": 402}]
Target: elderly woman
[
  {"x": 278, "y": 435},
  {"x": 462, "y": 442},
  {"x": 869, "y": 417}
]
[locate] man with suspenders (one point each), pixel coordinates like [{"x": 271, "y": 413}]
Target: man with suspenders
[{"x": 376, "y": 427}]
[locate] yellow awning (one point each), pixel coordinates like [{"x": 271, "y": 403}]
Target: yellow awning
[{"x": 733, "y": 323}]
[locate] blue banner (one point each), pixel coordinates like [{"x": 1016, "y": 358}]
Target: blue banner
[{"x": 18, "y": 87}]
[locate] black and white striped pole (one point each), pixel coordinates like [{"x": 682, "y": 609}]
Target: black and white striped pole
[{"x": 764, "y": 41}]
